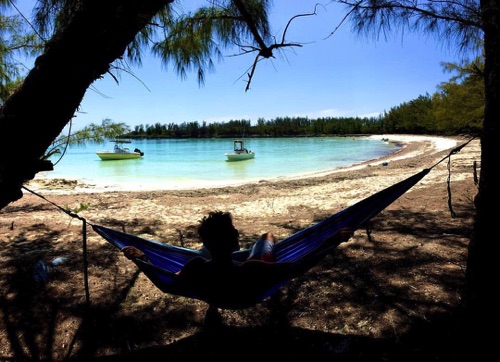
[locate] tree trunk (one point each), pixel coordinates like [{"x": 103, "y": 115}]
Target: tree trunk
[
  {"x": 481, "y": 304},
  {"x": 74, "y": 58}
]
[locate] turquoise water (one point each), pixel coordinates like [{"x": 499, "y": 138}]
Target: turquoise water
[{"x": 184, "y": 163}]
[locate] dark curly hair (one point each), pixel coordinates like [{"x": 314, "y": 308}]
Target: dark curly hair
[{"x": 217, "y": 232}]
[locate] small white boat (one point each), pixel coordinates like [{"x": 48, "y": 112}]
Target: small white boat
[
  {"x": 239, "y": 153},
  {"x": 119, "y": 152}
]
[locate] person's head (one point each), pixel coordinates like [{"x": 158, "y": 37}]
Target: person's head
[{"x": 218, "y": 234}]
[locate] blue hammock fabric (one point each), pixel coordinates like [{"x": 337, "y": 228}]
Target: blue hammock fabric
[{"x": 306, "y": 246}]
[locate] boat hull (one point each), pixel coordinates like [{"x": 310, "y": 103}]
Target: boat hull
[
  {"x": 105, "y": 156},
  {"x": 239, "y": 156}
]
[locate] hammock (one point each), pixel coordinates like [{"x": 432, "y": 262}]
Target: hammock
[{"x": 304, "y": 249}]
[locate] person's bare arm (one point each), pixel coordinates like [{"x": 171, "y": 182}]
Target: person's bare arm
[{"x": 132, "y": 253}]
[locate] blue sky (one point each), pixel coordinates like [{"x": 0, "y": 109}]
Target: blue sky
[{"x": 339, "y": 76}]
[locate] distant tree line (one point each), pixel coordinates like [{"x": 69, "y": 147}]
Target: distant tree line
[
  {"x": 456, "y": 108},
  {"x": 278, "y": 127}
]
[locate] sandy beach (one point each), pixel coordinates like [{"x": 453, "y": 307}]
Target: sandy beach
[{"x": 378, "y": 286}]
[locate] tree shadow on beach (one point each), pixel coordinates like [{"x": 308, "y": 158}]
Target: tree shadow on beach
[
  {"x": 123, "y": 323},
  {"x": 429, "y": 340}
]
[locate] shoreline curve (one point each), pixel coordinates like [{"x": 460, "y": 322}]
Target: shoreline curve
[{"x": 412, "y": 146}]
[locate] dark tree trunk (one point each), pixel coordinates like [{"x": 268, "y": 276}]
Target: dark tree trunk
[
  {"x": 75, "y": 57},
  {"x": 482, "y": 262}
]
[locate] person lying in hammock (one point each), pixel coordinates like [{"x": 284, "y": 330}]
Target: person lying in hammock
[{"x": 225, "y": 282}]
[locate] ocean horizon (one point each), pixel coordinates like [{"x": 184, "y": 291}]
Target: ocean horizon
[{"x": 188, "y": 163}]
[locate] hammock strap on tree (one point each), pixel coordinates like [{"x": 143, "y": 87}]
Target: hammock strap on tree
[{"x": 448, "y": 180}]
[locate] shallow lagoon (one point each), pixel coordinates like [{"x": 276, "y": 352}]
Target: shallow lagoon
[{"x": 184, "y": 163}]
